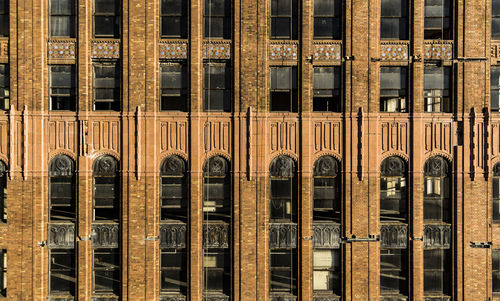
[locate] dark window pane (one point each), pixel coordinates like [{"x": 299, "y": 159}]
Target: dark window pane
[
  {"x": 174, "y": 271},
  {"x": 174, "y": 87},
  {"x": 62, "y": 272},
  {"x": 393, "y": 274},
  {"x": 106, "y": 86},
  {"x": 105, "y": 6},
  {"x": 217, "y": 22},
  {"x": 283, "y": 271},
  {"x": 284, "y": 95},
  {"x": 284, "y": 19},
  {"x": 495, "y": 254},
  {"x": 216, "y": 272},
  {"x": 4, "y": 18},
  {"x": 217, "y": 88}
]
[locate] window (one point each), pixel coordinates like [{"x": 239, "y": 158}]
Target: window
[
  {"x": 393, "y": 193},
  {"x": 106, "y": 86},
  {"x": 283, "y": 271},
  {"x": 4, "y": 18},
  {"x": 284, "y": 96},
  {"x": 217, "y": 19},
  {"x": 3, "y": 272},
  {"x": 173, "y": 271},
  {"x": 62, "y": 87},
  {"x": 3, "y": 192},
  {"x": 393, "y": 274},
  {"x": 106, "y": 271},
  {"x": 495, "y": 262},
  {"x": 495, "y": 19},
  {"x": 327, "y": 19},
  {"x": 106, "y": 18},
  {"x": 327, "y": 96},
  {"x": 217, "y": 87},
  {"x": 283, "y": 189},
  {"x": 174, "y": 187},
  {"x": 495, "y": 88},
  {"x": 437, "y": 190},
  {"x": 174, "y": 18},
  {"x": 496, "y": 192},
  {"x": 216, "y": 189},
  {"x": 174, "y": 81},
  {"x": 62, "y": 189},
  {"x": 326, "y": 190},
  {"x": 393, "y": 92},
  {"x": 326, "y": 274},
  {"x": 284, "y": 19},
  {"x": 62, "y": 18},
  {"x": 437, "y": 84},
  {"x": 62, "y": 272},
  {"x": 437, "y": 21},
  {"x": 106, "y": 189},
  {"x": 437, "y": 268},
  {"x": 216, "y": 271},
  {"x": 394, "y": 20},
  {"x": 4, "y": 87}
]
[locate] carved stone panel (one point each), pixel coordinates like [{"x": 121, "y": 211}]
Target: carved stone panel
[
  {"x": 173, "y": 235},
  {"x": 283, "y": 51},
  {"x": 105, "y": 298},
  {"x": 393, "y": 298},
  {"x": 394, "y": 136},
  {"x": 55, "y": 298},
  {"x": 437, "y": 236},
  {"x": 438, "y": 137},
  {"x": 441, "y": 51},
  {"x": 4, "y": 137},
  {"x": 326, "y": 235},
  {"x": 105, "y": 235},
  {"x": 105, "y": 135},
  {"x": 62, "y": 135},
  {"x": 173, "y": 49},
  {"x": 217, "y": 136},
  {"x": 394, "y": 52},
  {"x": 437, "y": 298},
  {"x": 173, "y": 298},
  {"x": 4, "y": 48},
  {"x": 109, "y": 49},
  {"x": 61, "y": 49},
  {"x": 495, "y": 139},
  {"x": 283, "y": 298},
  {"x": 173, "y": 136},
  {"x": 61, "y": 236},
  {"x": 284, "y": 136},
  {"x": 282, "y": 235},
  {"x": 394, "y": 236},
  {"x": 326, "y": 298},
  {"x": 215, "y": 235},
  {"x": 217, "y": 50},
  {"x": 327, "y": 136},
  {"x": 215, "y": 297},
  {"x": 327, "y": 51}
]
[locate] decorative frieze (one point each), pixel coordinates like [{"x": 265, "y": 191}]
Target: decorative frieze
[
  {"x": 327, "y": 52},
  {"x": 173, "y": 235},
  {"x": 105, "y": 235},
  {"x": 173, "y": 298},
  {"x": 326, "y": 298},
  {"x": 438, "y": 298},
  {"x": 441, "y": 51},
  {"x": 61, "y": 235},
  {"x": 326, "y": 235},
  {"x": 393, "y": 298},
  {"x": 105, "y": 298},
  {"x": 282, "y": 235},
  {"x": 215, "y": 235},
  {"x": 394, "y": 236},
  {"x": 217, "y": 50},
  {"x": 173, "y": 50},
  {"x": 109, "y": 49},
  {"x": 56, "y": 298},
  {"x": 394, "y": 52},
  {"x": 283, "y": 298},
  {"x": 283, "y": 51},
  {"x": 61, "y": 49},
  {"x": 215, "y": 298},
  {"x": 437, "y": 236},
  {"x": 4, "y": 48}
]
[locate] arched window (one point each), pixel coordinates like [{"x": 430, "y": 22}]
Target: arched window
[
  {"x": 216, "y": 189},
  {"x": 327, "y": 202},
  {"x": 62, "y": 188},
  {"x": 283, "y": 189},
  {"x": 174, "y": 189},
  {"x": 106, "y": 189},
  {"x": 496, "y": 193},
  {"x": 3, "y": 191},
  {"x": 437, "y": 190},
  {"x": 393, "y": 190}
]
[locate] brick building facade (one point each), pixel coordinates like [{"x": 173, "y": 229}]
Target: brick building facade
[{"x": 270, "y": 150}]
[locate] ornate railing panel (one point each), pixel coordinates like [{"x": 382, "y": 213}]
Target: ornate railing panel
[
  {"x": 215, "y": 298},
  {"x": 56, "y": 298},
  {"x": 172, "y": 298},
  {"x": 215, "y": 235},
  {"x": 326, "y": 298},
  {"x": 438, "y": 298},
  {"x": 437, "y": 236},
  {"x": 173, "y": 235},
  {"x": 393, "y": 298},
  {"x": 282, "y": 235},
  {"x": 394, "y": 236},
  {"x": 283, "y": 298},
  {"x": 326, "y": 235},
  {"x": 61, "y": 235},
  {"x": 105, "y": 235}
]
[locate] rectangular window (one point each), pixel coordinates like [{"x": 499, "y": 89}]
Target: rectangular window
[
  {"x": 174, "y": 18},
  {"x": 393, "y": 91},
  {"x": 106, "y": 86},
  {"x": 284, "y": 19},
  {"x": 283, "y": 200},
  {"x": 327, "y": 19},
  {"x": 437, "y": 268},
  {"x": 4, "y": 87},
  {"x": 394, "y": 20},
  {"x": 216, "y": 271},
  {"x": 393, "y": 199},
  {"x": 327, "y": 97},
  {"x": 217, "y": 87},
  {"x": 3, "y": 272},
  {"x": 106, "y": 271},
  {"x": 495, "y": 19},
  {"x": 174, "y": 85},
  {"x": 436, "y": 199},
  {"x": 3, "y": 197},
  {"x": 62, "y": 87},
  {"x": 62, "y": 272},
  {"x": 437, "y": 21},
  {"x": 107, "y": 18},
  {"x": 217, "y": 19},
  {"x": 106, "y": 193},
  {"x": 173, "y": 198},
  {"x": 437, "y": 87},
  {"x": 495, "y": 262},
  {"x": 283, "y": 271},
  {"x": 393, "y": 273},
  {"x": 62, "y": 204},
  {"x": 326, "y": 273},
  {"x": 173, "y": 271},
  {"x": 62, "y": 18},
  {"x": 495, "y": 88},
  {"x": 496, "y": 199},
  {"x": 4, "y": 18},
  {"x": 284, "y": 96}
]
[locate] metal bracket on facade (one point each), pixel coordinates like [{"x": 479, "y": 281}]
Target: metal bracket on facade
[
  {"x": 375, "y": 59},
  {"x": 86, "y": 238},
  {"x": 307, "y": 237},
  {"x": 416, "y": 58},
  {"x": 417, "y": 238},
  {"x": 481, "y": 245},
  {"x": 469, "y": 59},
  {"x": 42, "y": 243},
  {"x": 360, "y": 239},
  {"x": 152, "y": 238},
  {"x": 348, "y": 58}
]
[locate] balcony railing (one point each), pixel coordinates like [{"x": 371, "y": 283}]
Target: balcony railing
[
  {"x": 282, "y": 235},
  {"x": 61, "y": 235},
  {"x": 326, "y": 235}
]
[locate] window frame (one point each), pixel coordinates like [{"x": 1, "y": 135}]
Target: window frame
[
  {"x": 3, "y": 272},
  {"x": 336, "y": 288},
  {"x": 495, "y": 35},
  {"x": 222, "y": 211},
  {"x": 117, "y": 269},
  {"x": 227, "y": 91},
  {"x": 117, "y": 21},
  {"x": 167, "y": 172},
  {"x": 336, "y": 105},
  {"x": 6, "y": 14},
  {"x": 5, "y": 96},
  {"x": 293, "y": 101},
  {"x": 445, "y": 95},
  {"x": 68, "y": 252},
  {"x": 402, "y": 270},
  {"x": 69, "y": 179},
  {"x": 402, "y": 105},
  {"x": 403, "y": 18},
  {"x": 293, "y": 271},
  {"x": 445, "y": 271},
  {"x": 116, "y": 104},
  {"x": 182, "y": 268},
  {"x": 183, "y": 95},
  {"x": 3, "y": 191},
  {"x": 226, "y": 21},
  {"x": 292, "y": 181},
  {"x": 495, "y": 271},
  {"x": 71, "y": 97},
  {"x": 183, "y": 16},
  {"x": 225, "y": 271},
  {"x": 72, "y": 17},
  {"x": 336, "y": 17},
  {"x": 446, "y": 32},
  {"x": 292, "y": 17},
  {"x": 117, "y": 190},
  {"x": 495, "y": 89},
  {"x": 323, "y": 174}
]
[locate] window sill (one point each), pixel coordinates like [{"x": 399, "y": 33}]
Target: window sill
[
  {"x": 104, "y": 297},
  {"x": 60, "y": 298},
  {"x": 282, "y": 297},
  {"x": 215, "y": 297},
  {"x": 325, "y": 296},
  {"x": 393, "y": 297},
  {"x": 436, "y": 298},
  {"x": 172, "y": 297}
]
